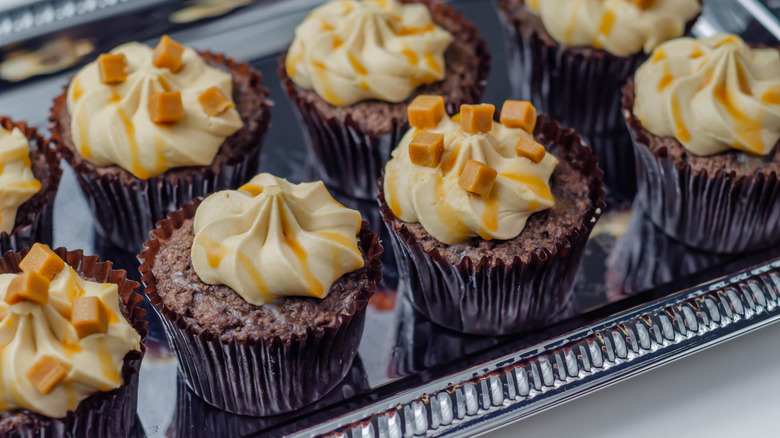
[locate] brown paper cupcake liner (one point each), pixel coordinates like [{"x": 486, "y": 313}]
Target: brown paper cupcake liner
[
  {"x": 578, "y": 86},
  {"x": 105, "y": 414},
  {"x": 350, "y": 157},
  {"x": 495, "y": 296},
  {"x": 268, "y": 376},
  {"x": 125, "y": 208},
  {"x": 720, "y": 213},
  {"x": 34, "y": 217}
]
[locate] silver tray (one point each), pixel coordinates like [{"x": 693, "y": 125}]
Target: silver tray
[{"x": 411, "y": 377}]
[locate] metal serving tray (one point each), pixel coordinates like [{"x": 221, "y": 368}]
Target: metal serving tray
[{"x": 411, "y": 377}]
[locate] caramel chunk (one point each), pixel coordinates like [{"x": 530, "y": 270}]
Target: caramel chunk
[
  {"x": 426, "y": 148},
  {"x": 168, "y": 54},
  {"x": 29, "y": 286},
  {"x": 476, "y": 118},
  {"x": 477, "y": 178},
  {"x": 643, "y": 4},
  {"x": 519, "y": 114},
  {"x": 214, "y": 102},
  {"x": 528, "y": 148},
  {"x": 112, "y": 68},
  {"x": 47, "y": 372},
  {"x": 425, "y": 111},
  {"x": 89, "y": 316},
  {"x": 42, "y": 260},
  {"x": 166, "y": 107}
]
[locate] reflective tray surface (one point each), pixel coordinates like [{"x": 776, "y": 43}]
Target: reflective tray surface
[{"x": 641, "y": 299}]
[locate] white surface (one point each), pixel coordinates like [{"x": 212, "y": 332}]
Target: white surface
[{"x": 731, "y": 390}]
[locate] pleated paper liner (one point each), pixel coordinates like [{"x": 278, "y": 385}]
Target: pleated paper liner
[
  {"x": 578, "y": 86},
  {"x": 645, "y": 258},
  {"x": 105, "y": 414},
  {"x": 266, "y": 376},
  {"x": 349, "y": 156},
  {"x": 194, "y": 418},
  {"x": 125, "y": 208},
  {"x": 499, "y": 296},
  {"x": 721, "y": 213},
  {"x": 34, "y": 217}
]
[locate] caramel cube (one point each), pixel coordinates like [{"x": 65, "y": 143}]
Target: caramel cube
[
  {"x": 214, "y": 102},
  {"x": 29, "y": 286},
  {"x": 168, "y": 54},
  {"x": 426, "y": 148},
  {"x": 112, "y": 68},
  {"x": 42, "y": 260},
  {"x": 528, "y": 148},
  {"x": 476, "y": 118},
  {"x": 166, "y": 107},
  {"x": 47, "y": 372},
  {"x": 643, "y": 4},
  {"x": 426, "y": 111},
  {"x": 89, "y": 316},
  {"x": 477, "y": 178},
  {"x": 519, "y": 114}
]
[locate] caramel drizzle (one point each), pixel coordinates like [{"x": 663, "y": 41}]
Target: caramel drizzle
[{"x": 257, "y": 279}]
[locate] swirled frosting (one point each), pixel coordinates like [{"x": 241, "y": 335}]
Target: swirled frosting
[
  {"x": 617, "y": 26},
  {"x": 711, "y": 94},
  {"x": 348, "y": 51},
  {"x": 17, "y": 182},
  {"x": 433, "y": 197},
  {"x": 111, "y": 125},
  {"x": 272, "y": 238},
  {"x": 30, "y": 331}
]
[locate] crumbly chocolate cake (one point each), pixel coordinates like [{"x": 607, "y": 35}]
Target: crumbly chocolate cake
[
  {"x": 736, "y": 161},
  {"x": 543, "y": 229},
  {"x": 462, "y": 59},
  {"x": 219, "y": 310},
  {"x": 251, "y": 103}
]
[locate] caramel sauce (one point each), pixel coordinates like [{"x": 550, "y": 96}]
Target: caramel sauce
[
  {"x": 81, "y": 119},
  {"x": 328, "y": 94},
  {"x": 452, "y": 157},
  {"x": 534, "y": 183},
  {"x": 697, "y": 53},
  {"x": 159, "y": 151},
  {"x": 490, "y": 213},
  {"x": 20, "y": 154},
  {"x": 78, "y": 91},
  {"x": 395, "y": 207},
  {"x": 107, "y": 367},
  {"x": 252, "y": 189},
  {"x": 71, "y": 395},
  {"x": 607, "y": 23},
  {"x": 404, "y": 31},
  {"x": 290, "y": 62},
  {"x": 70, "y": 346},
  {"x": 246, "y": 263},
  {"x": 748, "y": 130},
  {"x": 679, "y": 124},
  {"x": 326, "y": 27},
  {"x": 337, "y": 42},
  {"x": 356, "y": 65},
  {"x": 771, "y": 98},
  {"x": 27, "y": 185},
  {"x": 215, "y": 251},
  {"x": 347, "y": 6},
  {"x": 135, "y": 159},
  {"x": 569, "y": 33},
  {"x": 450, "y": 218},
  {"x": 432, "y": 63},
  {"x": 411, "y": 56},
  {"x": 666, "y": 80},
  {"x": 727, "y": 40},
  {"x": 337, "y": 239},
  {"x": 314, "y": 286},
  {"x": 658, "y": 56}
]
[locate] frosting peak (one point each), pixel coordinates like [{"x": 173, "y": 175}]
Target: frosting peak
[
  {"x": 451, "y": 209},
  {"x": 272, "y": 238},
  {"x": 712, "y": 94},
  {"x": 17, "y": 182},
  {"x": 112, "y": 123},
  {"x": 620, "y": 27},
  {"x": 348, "y": 51}
]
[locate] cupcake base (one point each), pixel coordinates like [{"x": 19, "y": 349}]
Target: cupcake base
[
  {"x": 126, "y": 208},
  {"x": 502, "y": 287}
]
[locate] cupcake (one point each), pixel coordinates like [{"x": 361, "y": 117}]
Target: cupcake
[
  {"x": 488, "y": 221},
  {"x": 262, "y": 292},
  {"x": 353, "y": 68},
  {"x": 146, "y": 129},
  {"x": 704, "y": 115},
  {"x": 72, "y": 342},
  {"x": 570, "y": 58},
  {"x": 29, "y": 177}
]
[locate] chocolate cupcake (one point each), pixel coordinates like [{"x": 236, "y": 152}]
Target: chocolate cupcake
[
  {"x": 705, "y": 119},
  {"x": 146, "y": 130},
  {"x": 351, "y": 90},
  {"x": 73, "y": 332},
  {"x": 262, "y": 292},
  {"x": 29, "y": 177},
  {"x": 487, "y": 224},
  {"x": 570, "y": 59}
]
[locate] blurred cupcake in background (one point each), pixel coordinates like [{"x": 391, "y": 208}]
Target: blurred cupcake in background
[{"x": 353, "y": 68}]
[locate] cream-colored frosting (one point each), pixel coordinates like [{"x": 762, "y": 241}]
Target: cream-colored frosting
[
  {"x": 30, "y": 331},
  {"x": 617, "y": 26},
  {"x": 111, "y": 124},
  {"x": 272, "y": 238},
  {"x": 432, "y": 196},
  {"x": 17, "y": 182},
  {"x": 712, "y": 94},
  {"x": 348, "y": 51}
]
